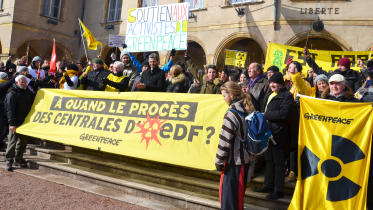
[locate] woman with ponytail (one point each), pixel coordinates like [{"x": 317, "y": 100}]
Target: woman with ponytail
[{"x": 231, "y": 157}]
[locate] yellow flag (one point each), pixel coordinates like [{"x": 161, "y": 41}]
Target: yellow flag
[
  {"x": 333, "y": 155},
  {"x": 91, "y": 40}
]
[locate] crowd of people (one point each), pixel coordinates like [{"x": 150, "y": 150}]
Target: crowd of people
[{"x": 272, "y": 93}]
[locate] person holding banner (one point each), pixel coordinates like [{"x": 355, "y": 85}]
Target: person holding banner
[
  {"x": 70, "y": 80},
  {"x": 211, "y": 83},
  {"x": 231, "y": 157},
  {"x": 321, "y": 83},
  {"x": 352, "y": 77},
  {"x": 18, "y": 104},
  {"x": 116, "y": 81},
  {"x": 93, "y": 78},
  {"x": 338, "y": 90}
]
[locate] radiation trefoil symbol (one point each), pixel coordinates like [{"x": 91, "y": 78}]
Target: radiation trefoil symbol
[
  {"x": 347, "y": 151},
  {"x": 149, "y": 130}
]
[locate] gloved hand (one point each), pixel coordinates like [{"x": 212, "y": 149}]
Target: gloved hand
[
  {"x": 173, "y": 52},
  {"x": 219, "y": 167},
  {"x": 146, "y": 55},
  {"x": 124, "y": 46},
  {"x": 297, "y": 101},
  {"x": 113, "y": 56},
  {"x": 186, "y": 57},
  {"x": 51, "y": 76},
  {"x": 104, "y": 80}
]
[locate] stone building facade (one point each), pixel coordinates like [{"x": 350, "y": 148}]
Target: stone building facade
[{"x": 214, "y": 26}]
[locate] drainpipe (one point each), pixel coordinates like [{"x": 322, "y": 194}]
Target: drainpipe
[
  {"x": 275, "y": 15},
  {"x": 81, "y": 18}
]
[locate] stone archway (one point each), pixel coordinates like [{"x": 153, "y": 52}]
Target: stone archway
[
  {"x": 334, "y": 40},
  {"x": 43, "y": 47},
  {"x": 240, "y": 41}
]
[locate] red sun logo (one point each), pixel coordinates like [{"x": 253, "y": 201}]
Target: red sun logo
[{"x": 149, "y": 130}]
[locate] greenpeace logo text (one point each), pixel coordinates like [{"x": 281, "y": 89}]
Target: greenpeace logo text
[{"x": 328, "y": 119}]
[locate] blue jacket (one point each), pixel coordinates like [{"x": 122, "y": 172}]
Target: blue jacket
[{"x": 165, "y": 68}]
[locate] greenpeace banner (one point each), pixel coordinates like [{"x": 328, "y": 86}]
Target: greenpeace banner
[
  {"x": 180, "y": 129},
  {"x": 278, "y": 54},
  {"x": 334, "y": 152},
  {"x": 158, "y": 28}
]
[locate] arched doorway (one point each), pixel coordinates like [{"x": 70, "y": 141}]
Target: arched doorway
[
  {"x": 43, "y": 48},
  {"x": 108, "y": 60},
  {"x": 319, "y": 44},
  {"x": 196, "y": 54},
  {"x": 253, "y": 49}
]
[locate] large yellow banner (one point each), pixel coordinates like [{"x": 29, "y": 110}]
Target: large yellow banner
[
  {"x": 334, "y": 153},
  {"x": 278, "y": 54},
  {"x": 180, "y": 129}
]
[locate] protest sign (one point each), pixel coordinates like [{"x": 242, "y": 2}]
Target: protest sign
[
  {"x": 278, "y": 54},
  {"x": 241, "y": 59},
  {"x": 230, "y": 57},
  {"x": 116, "y": 40},
  {"x": 334, "y": 153},
  {"x": 158, "y": 28},
  {"x": 180, "y": 129}
]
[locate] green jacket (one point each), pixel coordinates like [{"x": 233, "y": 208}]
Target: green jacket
[{"x": 212, "y": 87}]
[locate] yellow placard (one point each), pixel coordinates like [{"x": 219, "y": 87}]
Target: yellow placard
[
  {"x": 230, "y": 54},
  {"x": 241, "y": 56},
  {"x": 333, "y": 155},
  {"x": 278, "y": 54},
  {"x": 230, "y": 61},
  {"x": 180, "y": 129},
  {"x": 240, "y": 63}
]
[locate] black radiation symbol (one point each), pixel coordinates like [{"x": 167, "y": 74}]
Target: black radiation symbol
[
  {"x": 240, "y": 56},
  {"x": 347, "y": 151}
]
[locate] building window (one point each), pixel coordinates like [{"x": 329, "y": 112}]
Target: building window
[
  {"x": 149, "y": 3},
  {"x": 195, "y": 4},
  {"x": 115, "y": 10},
  {"x": 51, "y": 8}
]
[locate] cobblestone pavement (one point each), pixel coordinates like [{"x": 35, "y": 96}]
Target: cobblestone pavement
[{"x": 19, "y": 191}]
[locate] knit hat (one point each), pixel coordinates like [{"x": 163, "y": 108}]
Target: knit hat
[
  {"x": 98, "y": 61},
  {"x": 72, "y": 67},
  {"x": 346, "y": 62},
  {"x": 21, "y": 69},
  {"x": 2, "y": 75},
  {"x": 62, "y": 66},
  {"x": 298, "y": 65},
  {"x": 274, "y": 69},
  {"x": 12, "y": 66},
  {"x": 321, "y": 77},
  {"x": 226, "y": 71},
  {"x": 277, "y": 78},
  {"x": 124, "y": 52},
  {"x": 145, "y": 63},
  {"x": 337, "y": 78}
]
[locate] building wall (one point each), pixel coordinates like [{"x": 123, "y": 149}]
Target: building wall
[{"x": 6, "y": 28}]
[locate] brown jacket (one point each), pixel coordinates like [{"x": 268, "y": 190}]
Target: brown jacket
[{"x": 212, "y": 87}]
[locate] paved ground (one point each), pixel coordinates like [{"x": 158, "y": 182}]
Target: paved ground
[{"x": 19, "y": 191}]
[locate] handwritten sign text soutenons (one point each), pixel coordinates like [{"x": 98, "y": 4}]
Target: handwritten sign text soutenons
[{"x": 158, "y": 28}]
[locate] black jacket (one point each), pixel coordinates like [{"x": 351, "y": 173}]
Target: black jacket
[
  {"x": 3, "y": 91},
  {"x": 18, "y": 104},
  {"x": 155, "y": 80},
  {"x": 352, "y": 77},
  {"x": 278, "y": 113},
  {"x": 177, "y": 84},
  {"x": 94, "y": 78}
]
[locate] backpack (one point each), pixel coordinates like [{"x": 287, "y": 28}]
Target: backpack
[{"x": 259, "y": 134}]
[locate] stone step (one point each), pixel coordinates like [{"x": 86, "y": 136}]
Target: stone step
[{"x": 205, "y": 186}]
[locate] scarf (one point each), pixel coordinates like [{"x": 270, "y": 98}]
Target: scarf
[
  {"x": 71, "y": 73},
  {"x": 234, "y": 100},
  {"x": 4, "y": 81},
  {"x": 253, "y": 81},
  {"x": 209, "y": 80}
]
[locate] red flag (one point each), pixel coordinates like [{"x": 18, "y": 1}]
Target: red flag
[
  {"x": 195, "y": 2},
  {"x": 52, "y": 70}
]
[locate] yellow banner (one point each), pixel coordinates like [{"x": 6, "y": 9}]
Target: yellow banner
[
  {"x": 241, "y": 59},
  {"x": 180, "y": 129},
  {"x": 278, "y": 54},
  {"x": 334, "y": 153},
  {"x": 230, "y": 57},
  {"x": 91, "y": 40}
]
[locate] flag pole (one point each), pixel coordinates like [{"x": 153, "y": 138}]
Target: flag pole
[{"x": 80, "y": 26}]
